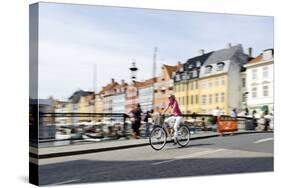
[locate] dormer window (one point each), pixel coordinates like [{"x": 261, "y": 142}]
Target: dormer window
[
  {"x": 208, "y": 69},
  {"x": 190, "y": 66},
  {"x": 220, "y": 66},
  {"x": 177, "y": 77},
  {"x": 195, "y": 73},
  {"x": 181, "y": 69},
  {"x": 198, "y": 64}
]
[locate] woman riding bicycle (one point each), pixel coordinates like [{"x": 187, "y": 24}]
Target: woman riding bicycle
[{"x": 176, "y": 114}]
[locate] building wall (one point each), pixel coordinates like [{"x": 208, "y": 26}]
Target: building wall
[
  {"x": 162, "y": 89},
  {"x": 98, "y": 104},
  {"x": 146, "y": 97},
  {"x": 131, "y": 98},
  {"x": 213, "y": 93},
  {"x": 259, "y": 82},
  {"x": 107, "y": 106},
  {"x": 181, "y": 94},
  {"x": 234, "y": 91},
  {"x": 118, "y": 103}
]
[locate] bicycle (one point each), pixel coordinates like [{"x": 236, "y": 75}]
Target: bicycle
[{"x": 159, "y": 134}]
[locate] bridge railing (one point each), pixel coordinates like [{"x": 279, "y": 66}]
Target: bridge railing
[{"x": 104, "y": 126}]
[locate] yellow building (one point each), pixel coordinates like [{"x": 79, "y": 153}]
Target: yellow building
[
  {"x": 211, "y": 80},
  {"x": 213, "y": 93},
  {"x": 98, "y": 104},
  {"x": 220, "y": 80},
  {"x": 186, "y": 80}
]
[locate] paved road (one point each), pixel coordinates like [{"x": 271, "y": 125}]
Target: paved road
[{"x": 219, "y": 155}]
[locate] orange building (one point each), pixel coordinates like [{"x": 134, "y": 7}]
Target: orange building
[{"x": 164, "y": 86}]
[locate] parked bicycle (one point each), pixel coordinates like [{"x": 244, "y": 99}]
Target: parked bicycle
[{"x": 161, "y": 132}]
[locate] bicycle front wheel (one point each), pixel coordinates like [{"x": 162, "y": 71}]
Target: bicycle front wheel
[
  {"x": 158, "y": 138},
  {"x": 183, "y": 137}
]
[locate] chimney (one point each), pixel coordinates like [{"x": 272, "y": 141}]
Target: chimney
[
  {"x": 267, "y": 54},
  {"x": 122, "y": 82},
  {"x": 250, "y": 52},
  {"x": 112, "y": 80},
  {"x": 201, "y": 52},
  {"x": 228, "y": 45}
]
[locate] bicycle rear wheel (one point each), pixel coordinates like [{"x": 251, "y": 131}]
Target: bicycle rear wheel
[
  {"x": 158, "y": 138},
  {"x": 183, "y": 137}
]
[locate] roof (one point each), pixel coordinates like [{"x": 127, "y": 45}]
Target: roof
[
  {"x": 256, "y": 59},
  {"x": 223, "y": 54},
  {"x": 146, "y": 83},
  {"x": 170, "y": 69},
  {"x": 200, "y": 58},
  {"x": 75, "y": 97},
  {"x": 108, "y": 87}
]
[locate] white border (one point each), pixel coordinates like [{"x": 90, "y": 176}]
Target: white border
[{"x": 14, "y": 90}]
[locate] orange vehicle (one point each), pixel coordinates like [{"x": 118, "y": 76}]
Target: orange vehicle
[{"x": 226, "y": 124}]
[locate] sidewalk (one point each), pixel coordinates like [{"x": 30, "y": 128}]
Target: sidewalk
[{"x": 84, "y": 148}]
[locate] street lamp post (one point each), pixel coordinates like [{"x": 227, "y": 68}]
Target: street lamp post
[{"x": 133, "y": 70}]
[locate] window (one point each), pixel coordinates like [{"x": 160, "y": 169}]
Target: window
[
  {"x": 183, "y": 100},
  {"x": 181, "y": 69},
  {"x": 265, "y": 91},
  {"x": 217, "y": 82},
  {"x": 208, "y": 69},
  {"x": 178, "y": 77},
  {"x": 254, "y": 74},
  {"x": 191, "y": 99},
  {"x": 187, "y": 102},
  {"x": 210, "y": 99},
  {"x": 196, "y": 84},
  {"x": 243, "y": 82},
  {"x": 222, "y": 81},
  {"x": 203, "y": 99},
  {"x": 210, "y": 83},
  {"x": 216, "y": 98},
  {"x": 198, "y": 64},
  {"x": 265, "y": 72},
  {"x": 220, "y": 66},
  {"x": 196, "y": 99},
  {"x": 254, "y": 92},
  {"x": 203, "y": 85},
  {"x": 191, "y": 86},
  {"x": 222, "y": 97},
  {"x": 190, "y": 66},
  {"x": 195, "y": 73}
]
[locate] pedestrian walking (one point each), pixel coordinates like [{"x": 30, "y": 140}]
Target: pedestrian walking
[{"x": 136, "y": 121}]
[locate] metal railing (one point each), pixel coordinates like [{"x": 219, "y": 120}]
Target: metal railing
[{"x": 54, "y": 127}]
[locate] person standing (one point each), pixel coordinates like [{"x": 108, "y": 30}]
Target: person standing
[
  {"x": 216, "y": 114},
  {"x": 233, "y": 113},
  {"x": 147, "y": 116},
  {"x": 136, "y": 121}
]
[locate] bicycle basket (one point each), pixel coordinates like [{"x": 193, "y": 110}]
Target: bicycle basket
[{"x": 159, "y": 120}]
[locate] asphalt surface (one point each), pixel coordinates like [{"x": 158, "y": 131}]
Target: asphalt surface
[{"x": 218, "y": 155}]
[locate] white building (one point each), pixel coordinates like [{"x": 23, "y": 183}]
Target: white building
[
  {"x": 118, "y": 103},
  {"x": 145, "y": 98},
  {"x": 259, "y": 81}
]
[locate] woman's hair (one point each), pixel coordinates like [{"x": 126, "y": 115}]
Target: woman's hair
[{"x": 172, "y": 96}]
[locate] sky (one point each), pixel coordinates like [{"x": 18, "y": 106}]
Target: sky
[{"x": 84, "y": 46}]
